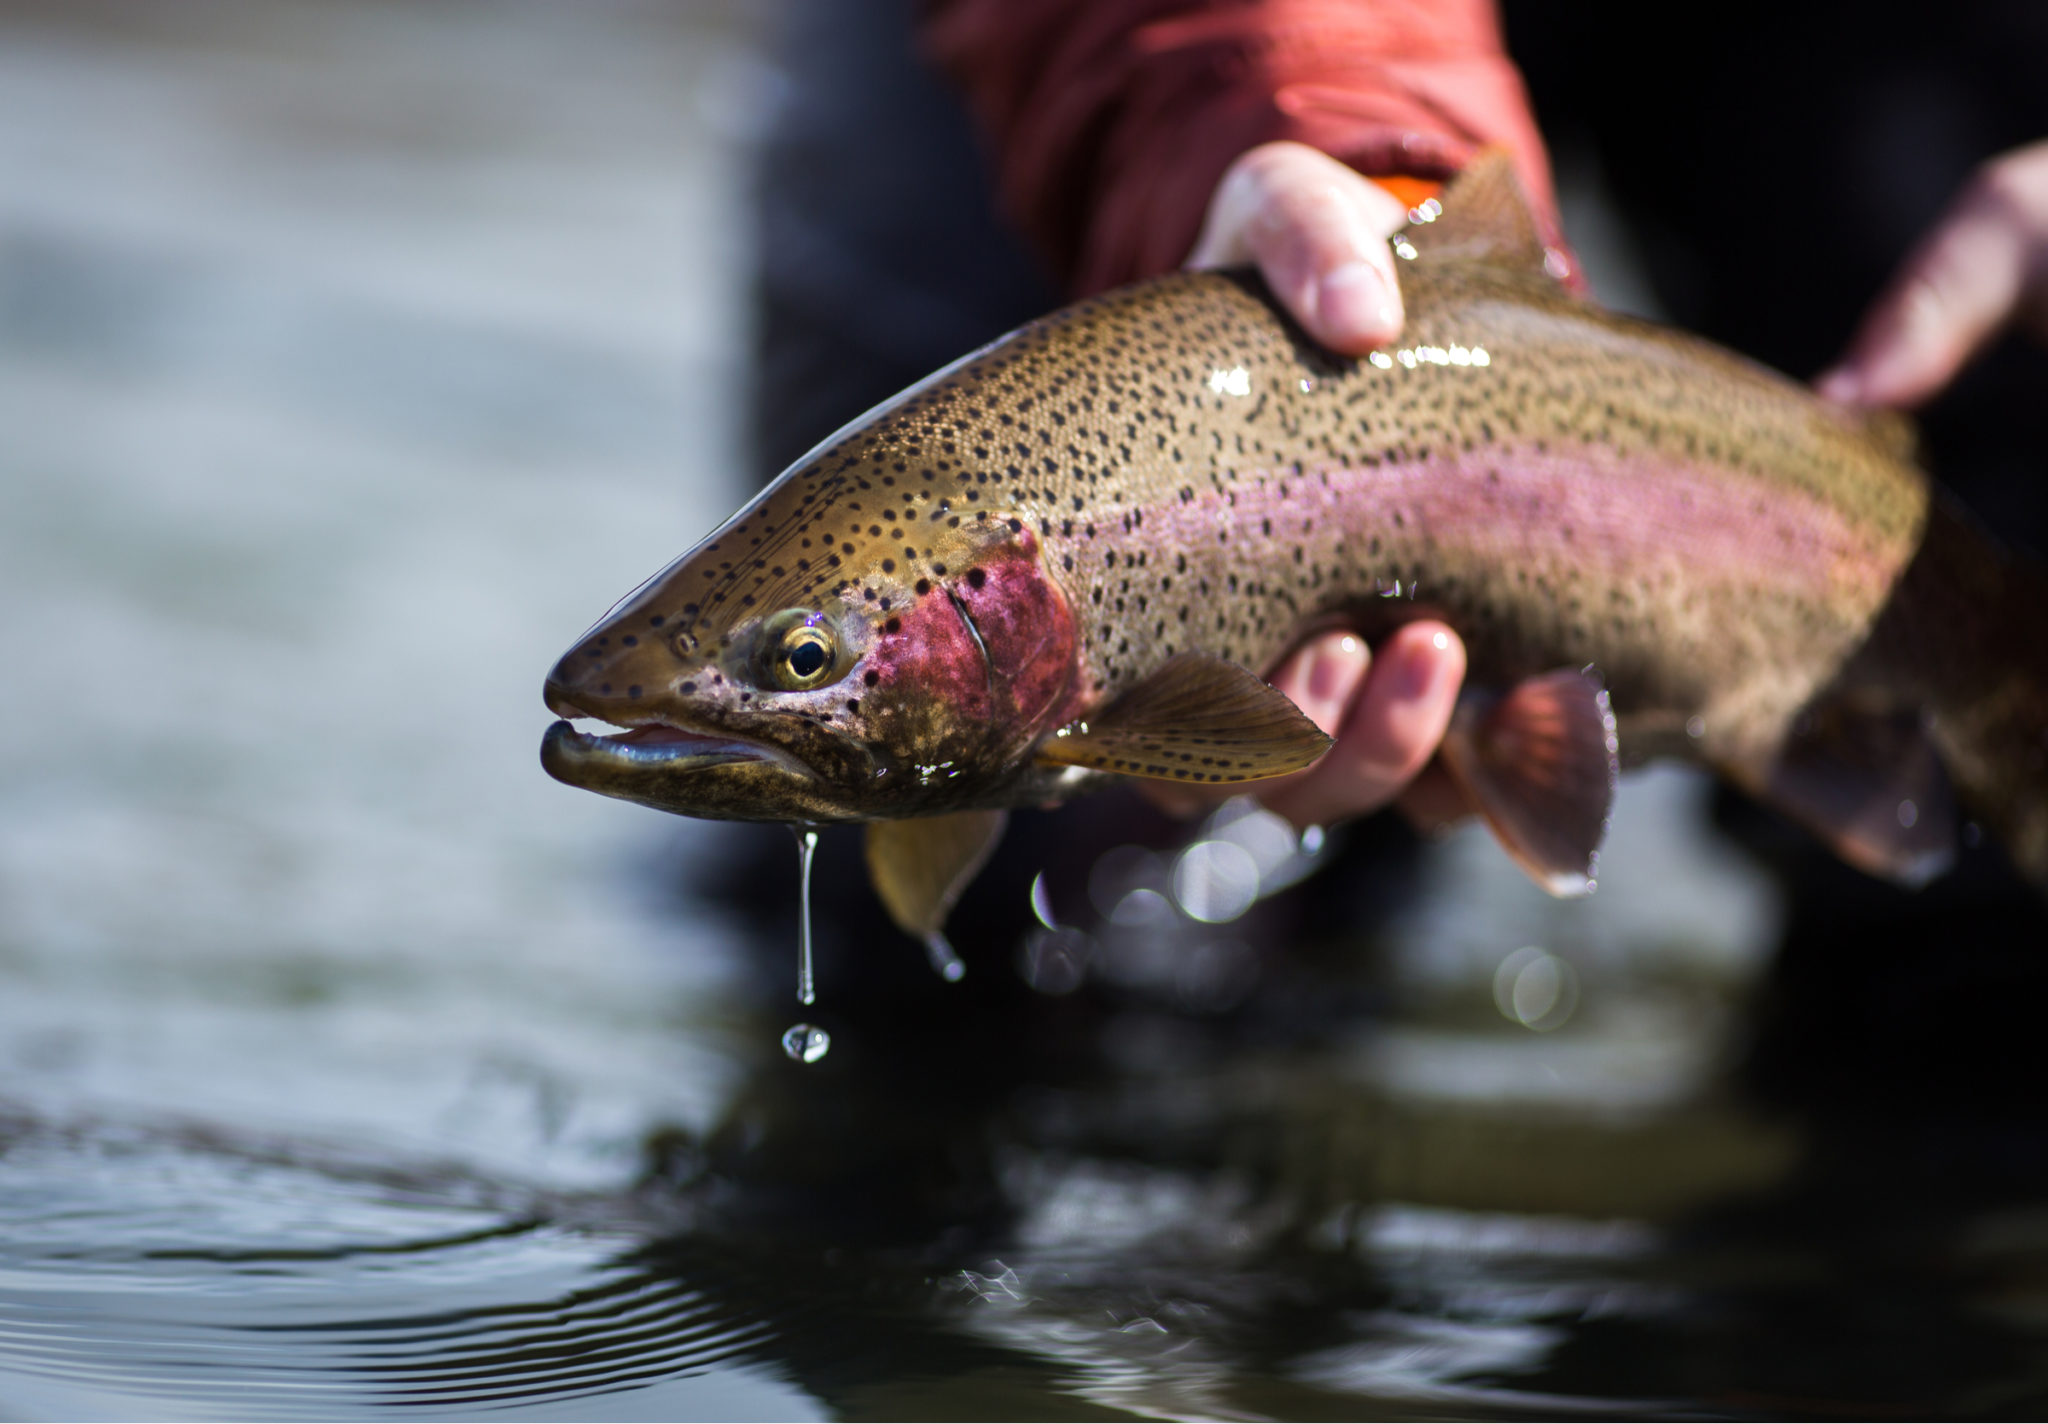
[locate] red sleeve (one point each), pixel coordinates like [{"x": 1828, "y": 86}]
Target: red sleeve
[{"x": 1112, "y": 120}]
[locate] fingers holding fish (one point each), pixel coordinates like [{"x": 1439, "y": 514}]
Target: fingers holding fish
[
  {"x": 1393, "y": 718},
  {"x": 1318, "y": 232},
  {"x": 1982, "y": 268}
]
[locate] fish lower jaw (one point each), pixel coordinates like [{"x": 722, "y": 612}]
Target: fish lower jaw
[{"x": 574, "y": 749}]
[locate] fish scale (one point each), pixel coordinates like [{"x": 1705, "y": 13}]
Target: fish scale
[{"x": 1175, "y": 472}]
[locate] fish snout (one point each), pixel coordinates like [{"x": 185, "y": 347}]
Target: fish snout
[
  {"x": 611, "y": 676},
  {"x": 571, "y": 687},
  {"x": 555, "y": 692}
]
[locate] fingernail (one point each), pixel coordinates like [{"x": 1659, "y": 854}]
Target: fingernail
[
  {"x": 1330, "y": 679},
  {"x": 1416, "y": 674},
  {"x": 1352, "y": 302},
  {"x": 1334, "y": 672}
]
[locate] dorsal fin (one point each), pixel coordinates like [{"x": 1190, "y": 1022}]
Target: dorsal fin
[{"x": 1484, "y": 217}]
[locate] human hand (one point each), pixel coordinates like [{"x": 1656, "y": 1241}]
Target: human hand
[
  {"x": 1982, "y": 268},
  {"x": 1318, "y": 232}
]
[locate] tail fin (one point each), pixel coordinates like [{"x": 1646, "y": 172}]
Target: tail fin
[{"x": 1984, "y": 639}]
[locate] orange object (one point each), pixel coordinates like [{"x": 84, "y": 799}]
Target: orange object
[
  {"x": 1413, "y": 192},
  {"x": 1112, "y": 120}
]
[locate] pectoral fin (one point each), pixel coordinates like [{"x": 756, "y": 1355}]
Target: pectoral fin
[
  {"x": 1873, "y": 787},
  {"x": 920, "y": 867},
  {"x": 1540, "y": 763},
  {"x": 1199, "y": 718}
]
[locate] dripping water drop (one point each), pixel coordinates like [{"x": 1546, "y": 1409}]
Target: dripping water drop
[
  {"x": 944, "y": 960},
  {"x": 806, "y": 1043},
  {"x": 806, "y": 847}
]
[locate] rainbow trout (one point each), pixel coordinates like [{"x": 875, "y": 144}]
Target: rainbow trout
[{"x": 1064, "y": 559}]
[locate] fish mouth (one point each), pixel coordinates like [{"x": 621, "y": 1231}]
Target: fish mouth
[{"x": 650, "y": 746}]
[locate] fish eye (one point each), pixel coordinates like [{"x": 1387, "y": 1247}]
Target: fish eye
[{"x": 798, "y": 650}]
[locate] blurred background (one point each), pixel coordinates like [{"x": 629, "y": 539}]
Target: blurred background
[{"x": 353, "y": 358}]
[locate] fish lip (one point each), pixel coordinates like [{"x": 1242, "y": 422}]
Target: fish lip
[
  {"x": 651, "y": 744},
  {"x": 648, "y": 744}
]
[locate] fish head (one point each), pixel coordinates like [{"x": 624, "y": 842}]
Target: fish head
[{"x": 861, "y": 642}]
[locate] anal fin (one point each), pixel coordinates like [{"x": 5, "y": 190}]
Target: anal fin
[
  {"x": 1540, "y": 763},
  {"x": 1199, "y": 719},
  {"x": 919, "y": 868},
  {"x": 1871, "y": 785}
]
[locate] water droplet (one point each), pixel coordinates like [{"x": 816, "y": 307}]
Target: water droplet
[
  {"x": 1041, "y": 902},
  {"x": 1215, "y": 881},
  {"x": 1142, "y": 907},
  {"x": 1535, "y": 988},
  {"x": 1054, "y": 961},
  {"x": 1909, "y": 814},
  {"x": 1695, "y": 727},
  {"x": 944, "y": 960},
  {"x": 1269, "y": 840},
  {"x": 1119, "y": 871},
  {"x": 806, "y": 1043},
  {"x": 806, "y": 847}
]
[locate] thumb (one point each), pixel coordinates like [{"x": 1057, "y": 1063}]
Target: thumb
[{"x": 1957, "y": 290}]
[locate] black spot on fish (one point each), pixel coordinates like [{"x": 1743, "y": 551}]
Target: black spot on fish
[
  {"x": 976, "y": 578},
  {"x": 656, "y": 621},
  {"x": 687, "y": 688},
  {"x": 923, "y": 587},
  {"x": 633, "y": 691},
  {"x": 630, "y": 641}
]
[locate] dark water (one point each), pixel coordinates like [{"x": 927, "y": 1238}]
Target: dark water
[
  {"x": 350, "y": 1068},
  {"x": 1330, "y": 1180}
]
